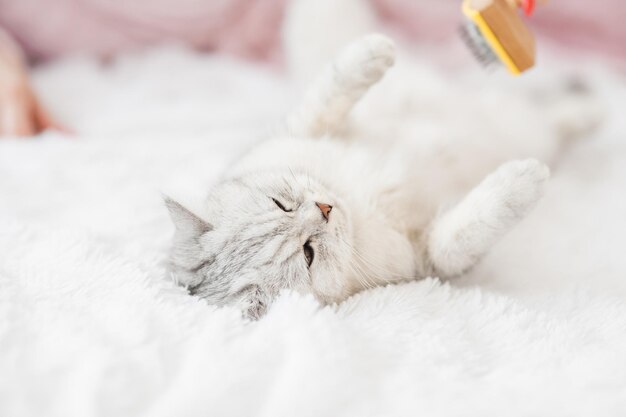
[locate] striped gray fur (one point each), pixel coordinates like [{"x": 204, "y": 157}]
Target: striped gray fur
[{"x": 252, "y": 248}]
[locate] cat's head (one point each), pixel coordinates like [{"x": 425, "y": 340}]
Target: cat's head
[{"x": 261, "y": 233}]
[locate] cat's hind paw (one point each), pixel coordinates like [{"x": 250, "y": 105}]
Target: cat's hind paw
[{"x": 573, "y": 106}]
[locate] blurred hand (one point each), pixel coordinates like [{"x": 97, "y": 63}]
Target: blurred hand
[{"x": 21, "y": 113}]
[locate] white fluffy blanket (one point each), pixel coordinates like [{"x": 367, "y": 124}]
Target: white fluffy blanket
[{"x": 90, "y": 324}]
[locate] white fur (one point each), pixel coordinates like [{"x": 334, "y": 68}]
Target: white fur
[
  {"x": 91, "y": 325},
  {"x": 325, "y": 107},
  {"x": 389, "y": 217},
  {"x": 461, "y": 236}
]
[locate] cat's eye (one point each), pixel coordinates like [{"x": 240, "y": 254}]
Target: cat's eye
[
  {"x": 280, "y": 205},
  {"x": 309, "y": 253}
]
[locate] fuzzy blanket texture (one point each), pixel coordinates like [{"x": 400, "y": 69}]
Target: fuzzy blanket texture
[{"x": 91, "y": 325}]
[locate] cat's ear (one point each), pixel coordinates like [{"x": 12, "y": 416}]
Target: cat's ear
[{"x": 186, "y": 222}]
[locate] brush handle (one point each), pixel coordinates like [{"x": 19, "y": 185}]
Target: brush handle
[{"x": 528, "y": 6}]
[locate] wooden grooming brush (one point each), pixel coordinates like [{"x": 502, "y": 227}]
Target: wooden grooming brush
[{"x": 495, "y": 32}]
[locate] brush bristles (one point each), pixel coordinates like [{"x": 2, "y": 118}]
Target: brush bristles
[{"x": 477, "y": 44}]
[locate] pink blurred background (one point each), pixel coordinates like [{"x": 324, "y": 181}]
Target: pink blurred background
[{"x": 251, "y": 28}]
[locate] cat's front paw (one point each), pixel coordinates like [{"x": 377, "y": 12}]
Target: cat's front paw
[
  {"x": 380, "y": 47},
  {"x": 519, "y": 185},
  {"x": 369, "y": 58}
]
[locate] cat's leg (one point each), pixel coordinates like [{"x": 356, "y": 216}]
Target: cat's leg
[
  {"x": 572, "y": 106},
  {"x": 460, "y": 237},
  {"x": 342, "y": 84}
]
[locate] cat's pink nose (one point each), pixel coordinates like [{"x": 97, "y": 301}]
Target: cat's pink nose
[{"x": 325, "y": 209}]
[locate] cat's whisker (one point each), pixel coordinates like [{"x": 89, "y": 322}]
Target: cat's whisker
[
  {"x": 358, "y": 269},
  {"x": 364, "y": 278},
  {"x": 361, "y": 276},
  {"x": 292, "y": 174},
  {"x": 296, "y": 178},
  {"x": 375, "y": 268}
]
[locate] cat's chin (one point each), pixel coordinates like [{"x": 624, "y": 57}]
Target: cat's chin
[
  {"x": 328, "y": 277},
  {"x": 335, "y": 280}
]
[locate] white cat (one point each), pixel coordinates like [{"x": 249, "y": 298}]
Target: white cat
[
  {"x": 331, "y": 208},
  {"x": 419, "y": 180}
]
